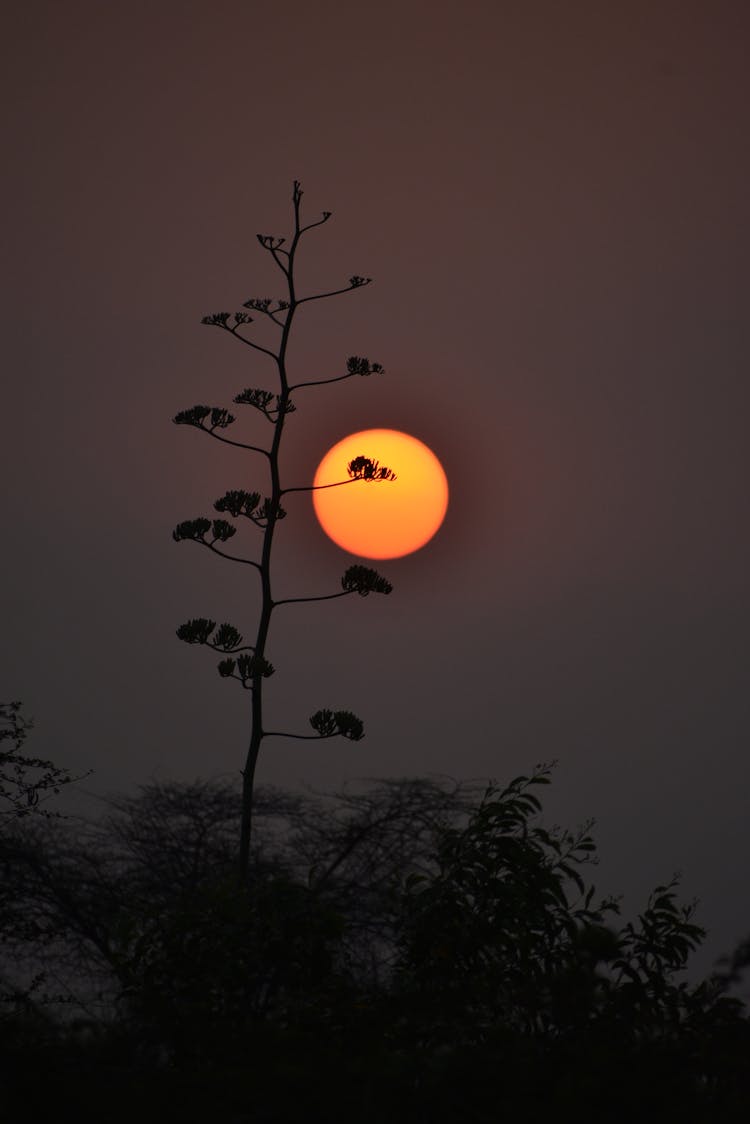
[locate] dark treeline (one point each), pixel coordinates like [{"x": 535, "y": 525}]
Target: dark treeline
[{"x": 410, "y": 950}]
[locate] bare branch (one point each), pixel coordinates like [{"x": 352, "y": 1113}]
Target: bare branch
[
  {"x": 310, "y": 225},
  {"x": 256, "y": 346},
  {"x": 320, "y": 382},
  {"x": 319, "y": 487},
  {"x": 355, "y": 365},
  {"x": 237, "y": 444},
  {"x": 231, "y": 557},
  {"x": 300, "y": 737},
  {"x": 325, "y": 597},
  {"x": 355, "y": 283}
]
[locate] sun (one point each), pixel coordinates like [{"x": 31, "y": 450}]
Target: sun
[{"x": 381, "y": 518}]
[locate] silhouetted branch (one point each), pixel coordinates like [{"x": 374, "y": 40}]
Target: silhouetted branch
[
  {"x": 220, "y": 320},
  {"x": 354, "y": 283},
  {"x": 233, "y": 557},
  {"x": 248, "y": 668},
  {"x": 237, "y": 444},
  {"x": 361, "y": 468},
  {"x": 263, "y": 305},
  {"x": 316, "y": 487},
  {"x": 328, "y": 724},
  {"x": 355, "y": 366},
  {"x": 297, "y": 600},
  {"x": 357, "y": 579},
  {"x": 261, "y": 400},
  {"x": 196, "y": 416},
  {"x": 228, "y": 640},
  {"x": 310, "y": 225}
]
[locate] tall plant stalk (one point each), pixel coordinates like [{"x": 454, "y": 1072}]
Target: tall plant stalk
[{"x": 249, "y": 663}]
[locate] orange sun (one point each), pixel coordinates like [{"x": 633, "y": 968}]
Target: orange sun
[{"x": 381, "y": 518}]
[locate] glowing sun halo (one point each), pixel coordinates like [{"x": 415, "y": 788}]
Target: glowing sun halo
[{"x": 388, "y": 518}]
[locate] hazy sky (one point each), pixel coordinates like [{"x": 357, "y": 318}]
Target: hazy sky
[{"x": 552, "y": 200}]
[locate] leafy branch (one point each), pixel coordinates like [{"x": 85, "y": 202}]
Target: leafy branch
[
  {"x": 328, "y": 724},
  {"x": 357, "y": 579},
  {"x": 355, "y": 365}
]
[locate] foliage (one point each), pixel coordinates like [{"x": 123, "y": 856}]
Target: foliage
[
  {"x": 412, "y": 951},
  {"x": 25, "y": 782}
]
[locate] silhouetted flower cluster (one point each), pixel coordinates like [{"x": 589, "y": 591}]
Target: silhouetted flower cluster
[
  {"x": 197, "y": 529},
  {"x": 199, "y": 630},
  {"x": 263, "y": 304},
  {"x": 247, "y": 667},
  {"x": 196, "y": 415},
  {"x": 262, "y": 399},
  {"x": 238, "y": 503},
  {"x": 363, "y": 580},
  {"x": 333, "y": 723},
  {"x": 357, "y": 365},
  {"x": 363, "y": 468}
]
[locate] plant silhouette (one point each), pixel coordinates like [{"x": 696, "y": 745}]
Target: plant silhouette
[
  {"x": 417, "y": 950},
  {"x": 249, "y": 663},
  {"x": 26, "y": 783}
]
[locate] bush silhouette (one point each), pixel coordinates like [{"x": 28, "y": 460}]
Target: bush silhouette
[{"x": 413, "y": 950}]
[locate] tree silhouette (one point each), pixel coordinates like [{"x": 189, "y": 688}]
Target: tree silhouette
[
  {"x": 25, "y": 782},
  {"x": 249, "y": 663},
  {"x": 26, "y": 786},
  {"x": 414, "y": 951}
]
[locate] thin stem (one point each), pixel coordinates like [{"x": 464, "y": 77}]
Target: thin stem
[
  {"x": 247, "y": 686},
  {"x": 324, "y": 597},
  {"x": 271, "y": 315},
  {"x": 310, "y": 225},
  {"x": 228, "y": 441},
  {"x": 321, "y": 382},
  {"x": 231, "y": 557},
  {"x": 256, "y": 720},
  {"x": 229, "y": 651},
  {"x": 300, "y": 737},
  {"x": 255, "y": 346},
  {"x": 319, "y": 487},
  {"x": 333, "y": 292}
]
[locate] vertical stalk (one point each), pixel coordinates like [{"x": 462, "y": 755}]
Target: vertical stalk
[{"x": 264, "y": 623}]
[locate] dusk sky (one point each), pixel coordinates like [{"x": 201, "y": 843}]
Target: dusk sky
[{"x": 552, "y": 201}]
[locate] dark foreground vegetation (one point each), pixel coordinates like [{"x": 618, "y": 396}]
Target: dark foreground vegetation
[{"x": 408, "y": 951}]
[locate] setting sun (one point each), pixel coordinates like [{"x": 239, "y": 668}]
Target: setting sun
[{"x": 381, "y": 518}]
